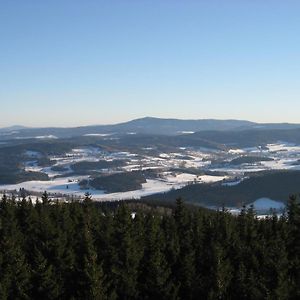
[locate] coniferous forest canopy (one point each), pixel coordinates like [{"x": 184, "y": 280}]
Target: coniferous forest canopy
[{"x": 85, "y": 250}]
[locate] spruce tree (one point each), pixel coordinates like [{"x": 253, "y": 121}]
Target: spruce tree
[
  {"x": 155, "y": 272},
  {"x": 125, "y": 259},
  {"x": 91, "y": 280},
  {"x": 14, "y": 275},
  {"x": 294, "y": 245},
  {"x": 44, "y": 281}
]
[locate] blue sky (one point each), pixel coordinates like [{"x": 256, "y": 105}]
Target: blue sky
[{"x": 66, "y": 63}]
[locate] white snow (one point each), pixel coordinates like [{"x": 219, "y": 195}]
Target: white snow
[
  {"x": 267, "y": 204},
  {"x": 252, "y": 149},
  {"x": 284, "y": 155},
  {"x": 185, "y": 132},
  {"x": 232, "y": 183},
  {"x": 209, "y": 178},
  {"x": 149, "y": 188},
  {"x": 58, "y": 185},
  {"x": 98, "y": 134},
  {"x": 262, "y": 207},
  {"x": 164, "y": 155},
  {"x": 70, "y": 186},
  {"x": 184, "y": 178},
  {"x": 236, "y": 151},
  {"x": 283, "y": 147},
  {"x": 50, "y": 136},
  {"x": 87, "y": 151}
]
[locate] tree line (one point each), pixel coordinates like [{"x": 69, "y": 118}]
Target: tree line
[{"x": 80, "y": 250}]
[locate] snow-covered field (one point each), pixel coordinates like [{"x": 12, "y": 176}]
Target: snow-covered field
[
  {"x": 66, "y": 186},
  {"x": 69, "y": 186},
  {"x": 175, "y": 169},
  {"x": 265, "y": 204},
  {"x": 262, "y": 207},
  {"x": 285, "y": 157},
  {"x": 46, "y": 137}
]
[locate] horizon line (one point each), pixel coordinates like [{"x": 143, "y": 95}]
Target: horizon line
[{"x": 141, "y": 118}]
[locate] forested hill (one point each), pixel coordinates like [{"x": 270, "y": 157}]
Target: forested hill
[
  {"x": 54, "y": 250},
  {"x": 147, "y": 125},
  {"x": 275, "y": 185}
]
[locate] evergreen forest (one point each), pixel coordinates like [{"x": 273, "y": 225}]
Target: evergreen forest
[{"x": 84, "y": 250}]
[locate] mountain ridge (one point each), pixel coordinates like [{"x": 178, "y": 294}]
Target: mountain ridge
[{"x": 147, "y": 125}]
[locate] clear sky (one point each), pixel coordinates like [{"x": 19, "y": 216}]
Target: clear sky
[{"x": 81, "y": 62}]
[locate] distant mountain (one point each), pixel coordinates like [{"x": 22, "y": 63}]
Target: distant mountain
[
  {"x": 177, "y": 126},
  {"x": 12, "y": 128},
  {"x": 148, "y": 125}
]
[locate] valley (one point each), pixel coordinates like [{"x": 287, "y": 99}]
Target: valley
[{"x": 207, "y": 168}]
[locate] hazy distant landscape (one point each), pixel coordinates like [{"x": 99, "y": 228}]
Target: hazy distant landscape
[{"x": 207, "y": 162}]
